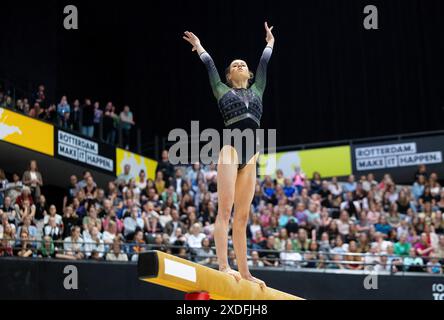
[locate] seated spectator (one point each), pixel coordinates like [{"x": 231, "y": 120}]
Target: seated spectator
[
  {"x": 384, "y": 265},
  {"x": 270, "y": 257},
  {"x": 353, "y": 207},
  {"x": 372, "y": 258},
  {"x": 41, "y": 210},
  {"x": 440, "y": 249},
  {"x": 53, "y": 213},
  {"x": 313, "y": 216},
  {"x": 413, "y": 262},
  {"x": 139, "y": 243},
  {"x": 27, "y": 225},
  {"x": 26, "y": 249},
  {"x": 383, "y": 226},
  {"x": 255, "y": 261},
  {"x": 110, "y": 233},
  {"x": 12, "y": 212},
  {"x": 116, "y": 253},
  {"x": 343, "y": 223},
  {"x": 132, "y": 223},
  {"x": 125, "y": 176},
  {"x": 205, "y": 255},
  {"x": 51, "y": 229},
  {"x": 316, "y": 183},
  {"x": 6, "y": 248},
  {"x": 355, "y": 261},
  {"x": 24, "y": 196},
  {"x": 423, "y": 247},
  {"x": 310, "y": 256},
  {"x": 195, "y": 237},
  {"x": 301, "y": 243},
  {"x": 336, "y": 262},
  {"x": 47, "y": 248},
  {"x": 402, "y": 247},
  {"x": 93, "y": 243},
  {"x": 69, "y": 220},
  {"x": 298, "y": 179},
  {"x": 433, "y": 266},
  {"x": 289, "y": 257},
  {"x": 73, "y": 245}
]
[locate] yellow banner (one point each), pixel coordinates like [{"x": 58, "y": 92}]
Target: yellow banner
[
  {"x": 329, "y": 162},
  {"x": 136, "y": 162},
  {"x": 26, "y": 132}
]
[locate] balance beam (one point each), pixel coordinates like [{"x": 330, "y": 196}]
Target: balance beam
[{"x": 183, "y": 275}]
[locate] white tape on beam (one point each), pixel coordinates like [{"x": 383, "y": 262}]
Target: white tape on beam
[{"x": 180, "y": 270}]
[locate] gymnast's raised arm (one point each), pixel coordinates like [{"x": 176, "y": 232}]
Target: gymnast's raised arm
[
  {"x": 218, "y": 87},
  {"x": 261, "y": 72}
]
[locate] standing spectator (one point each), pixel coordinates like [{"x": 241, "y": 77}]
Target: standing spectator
[
  {"x": 32, "y": 178},
  {"x": 167, "y": 169},
  {"x": 40, "y": 97},
  {"x": 75, "y": 119},
  {"x": 88, "y": 119},
  {"x": 3, "y": 185},
  {"x": 19, "y": 106},
  {"x": 110, "y": 120},
  {"x": 37, "y": 112},
  {"x": 98, "y": 114},
  {"x": 51, "y": 114},
  {"x": 64, "y": 110},
  {"x": 127, "y": 122}
]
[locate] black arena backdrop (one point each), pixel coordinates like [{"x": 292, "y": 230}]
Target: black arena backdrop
[
  {"x": 83, "y": 151},
  {"x": 400, "y": 158}
]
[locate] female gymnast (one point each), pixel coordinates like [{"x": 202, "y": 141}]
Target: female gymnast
[{"x": 241, "y": 107}]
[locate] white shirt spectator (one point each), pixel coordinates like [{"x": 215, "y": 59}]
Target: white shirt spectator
[
  {"x": 164, "y": 219},
  {"x": 131, "y": 224},
  {"x": 111, "y": 256},
  {"x": 290, "y": 259},
  {"x": 108, "y": 237},
  {"x": 195, "y": 241},
  {"x": 73, "y": 246},
  {"x": 58, "y": 219}
]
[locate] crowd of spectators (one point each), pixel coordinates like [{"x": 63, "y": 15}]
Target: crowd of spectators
[
  {"x": 87, "y": 118},
  {"x": 295, "y": 221}
]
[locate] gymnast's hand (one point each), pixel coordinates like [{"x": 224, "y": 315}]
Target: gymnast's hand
[
  {"x": 269, "y": 38},
  {"x": 194, "y": 41}
]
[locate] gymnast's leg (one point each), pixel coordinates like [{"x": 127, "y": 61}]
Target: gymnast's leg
[
  {"x": 226, "y": 179},
  {"x": 244, "y": 192}
]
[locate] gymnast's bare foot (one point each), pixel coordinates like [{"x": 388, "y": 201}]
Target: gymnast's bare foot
[
  {"x": 249, "y": 277},
  {"x": 231, "y": 272}
]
